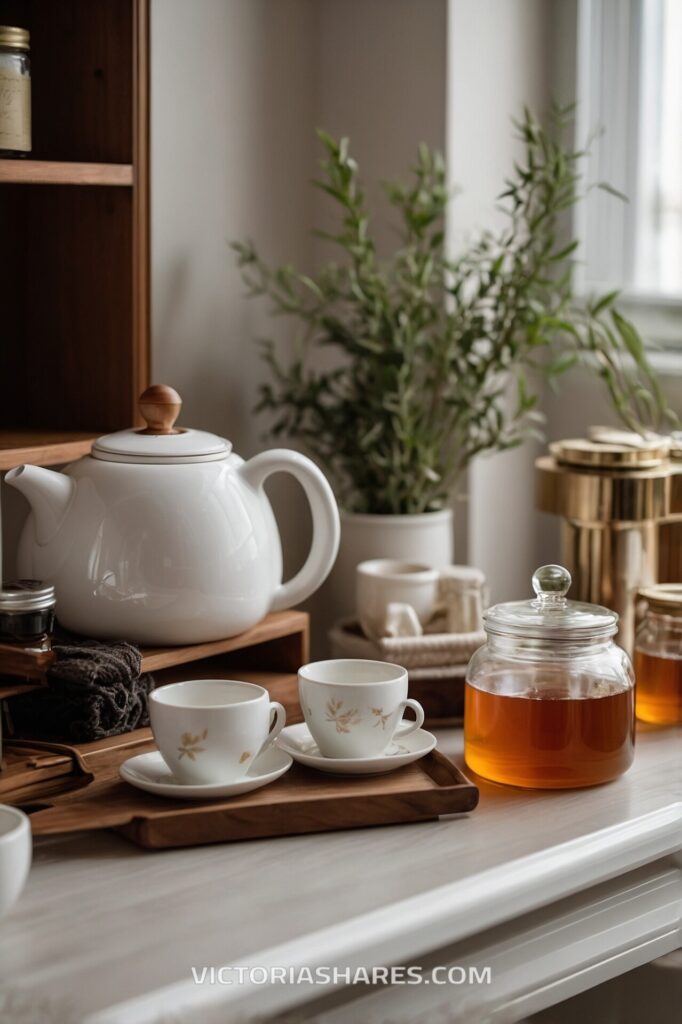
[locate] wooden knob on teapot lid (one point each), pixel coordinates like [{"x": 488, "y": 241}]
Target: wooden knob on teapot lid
[{"x": 160, "y": 406}]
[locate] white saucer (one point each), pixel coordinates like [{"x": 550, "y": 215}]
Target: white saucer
[
  {"x": 297, "y": 741},
  {"x": 151, "y": 773}
]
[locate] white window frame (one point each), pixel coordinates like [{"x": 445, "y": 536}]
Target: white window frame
[{"x": 616, "y": 81}]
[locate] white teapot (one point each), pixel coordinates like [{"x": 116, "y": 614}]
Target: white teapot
[{"x": 165, "y": 535}]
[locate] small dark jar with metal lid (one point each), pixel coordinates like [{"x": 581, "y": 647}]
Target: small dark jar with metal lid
[{"x": 27, "y": 614}]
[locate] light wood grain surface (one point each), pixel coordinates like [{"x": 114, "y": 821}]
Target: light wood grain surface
[
  {"x": 101, "y": 921},
  {"x": 272, "y": 627},
  {"x": 55, "y": 172}
]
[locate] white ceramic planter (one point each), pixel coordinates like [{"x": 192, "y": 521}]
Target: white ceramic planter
[{"x": 427, "y": 538}]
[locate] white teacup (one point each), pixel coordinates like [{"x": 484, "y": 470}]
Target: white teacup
[
  {"x": 385, "y": 581},
  {"x": 15, "y": 855},
  {"x": 354, "y": 707},
  {"x": 211, "y": 730}
]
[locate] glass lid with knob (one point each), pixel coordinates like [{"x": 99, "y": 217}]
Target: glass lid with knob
[
  {"x": 160, "y": 441},
  {"x": 550, "y": 615}
]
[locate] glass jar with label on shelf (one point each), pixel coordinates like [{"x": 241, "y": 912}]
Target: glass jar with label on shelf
[{"x": 15, "y": 92}]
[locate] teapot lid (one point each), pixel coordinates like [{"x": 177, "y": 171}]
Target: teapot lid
[
  {"x": 550, "y": 616},
  {"x": 160, "y": 441}
]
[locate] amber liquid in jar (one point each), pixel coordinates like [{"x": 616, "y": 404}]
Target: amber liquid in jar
[
  {"x": 550, "y": 741},
  {"x": 658, "y": 688}
]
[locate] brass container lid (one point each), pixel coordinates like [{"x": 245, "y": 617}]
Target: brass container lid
[
  {"x": 676, "y": 446},
  {"x": 663, "y": 597},
  {"x": 607, "y": 449},
  {"x": 16, "y": 38}
]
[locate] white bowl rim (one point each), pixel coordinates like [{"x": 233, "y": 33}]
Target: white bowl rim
[
  {"x": 399, "y": 519},
  {"x": 389, "y": 569},
  {"x": 21, "y": 823}
]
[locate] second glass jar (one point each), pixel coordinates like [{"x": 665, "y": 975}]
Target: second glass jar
[{"x": 658, "y": 655}]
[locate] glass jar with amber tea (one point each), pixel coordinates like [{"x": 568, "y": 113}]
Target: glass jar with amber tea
[
  {"x": 658, "y": 655},
  {"x": 15, "y": 92},
  {"x": 549, "y": 698}
]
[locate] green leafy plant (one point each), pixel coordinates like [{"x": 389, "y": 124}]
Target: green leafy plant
[{"x": 428, "y": 346}]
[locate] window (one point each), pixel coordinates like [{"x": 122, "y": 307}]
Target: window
[{"x": 629, "y": 92}]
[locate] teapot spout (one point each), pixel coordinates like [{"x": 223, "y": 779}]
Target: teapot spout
[{"x": 49, "y": 495}]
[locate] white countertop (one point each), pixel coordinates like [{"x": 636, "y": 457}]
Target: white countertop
[{"x": 102, "y": 923}]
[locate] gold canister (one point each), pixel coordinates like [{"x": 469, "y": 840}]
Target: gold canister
[
  {"x": 15, "y": 92},
  {"x": 620, "y": 502}
]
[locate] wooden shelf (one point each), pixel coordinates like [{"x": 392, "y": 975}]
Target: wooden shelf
[
  {"x": 289, "y": 629},
  {"x": 42, "y": 448},
  {"x": 74, "y": 222},
  {"x": 17, "y": 666},
  {"x": 269, "y": 654},
  {"x": 15, "y": 689},
  {"x": 273, "y": 627},
  {"x": 57, "y": 172}
]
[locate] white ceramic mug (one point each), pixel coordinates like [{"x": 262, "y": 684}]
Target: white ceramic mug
[
  {"x": 385, "y": 581},
  {"x": 15, "y": 855},
  {"x": 211, "y": 730},
  {"x": 354, "y": 707}
]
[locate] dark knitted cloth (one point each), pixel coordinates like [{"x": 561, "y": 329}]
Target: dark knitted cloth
[{"x": 95, "y": 690}]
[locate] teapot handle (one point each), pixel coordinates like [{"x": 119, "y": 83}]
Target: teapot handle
[{"x": 326, "y": 526}]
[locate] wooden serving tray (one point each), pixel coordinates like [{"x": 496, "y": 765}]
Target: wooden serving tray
[
  {"x": 301, "y": 801},
  {"x": 32, "y": 771}
]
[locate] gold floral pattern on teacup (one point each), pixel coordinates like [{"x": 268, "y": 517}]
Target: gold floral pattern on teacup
[
  {"x": 245, "y": 756},
  {"x": 190, "y": 745},
  {"x": 342, "y": 719},
  {"x": 381, "y": 718}
]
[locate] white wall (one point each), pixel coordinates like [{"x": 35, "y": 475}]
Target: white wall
[
  {"x": 381, "y": 68},
  {"x": 380, "y": 75},
  {"x": 232, "y": 151},
  {"x": 238, "y": 88},
  {"x": 498, "y": 61}
]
